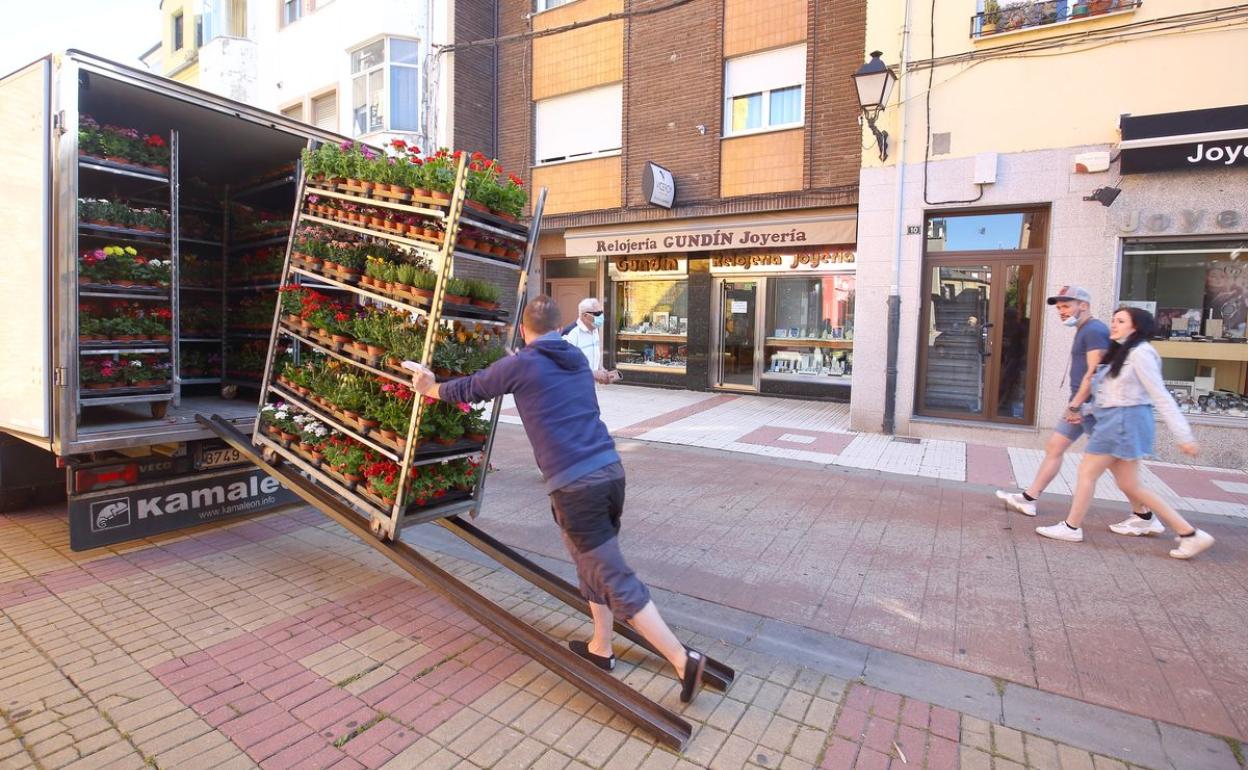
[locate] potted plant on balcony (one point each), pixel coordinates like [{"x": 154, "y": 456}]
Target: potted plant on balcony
[{"x": 990, "y": 18}]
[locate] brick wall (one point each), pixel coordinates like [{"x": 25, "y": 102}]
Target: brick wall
[
  {"x": 675, "y": 75},
  {"x": 672, "y": 69},
  {"x": 473, "y": 78},
  {"x": 837, "y": 34}
]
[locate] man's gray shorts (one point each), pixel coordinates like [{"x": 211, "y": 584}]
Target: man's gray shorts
[
  {"x": 588, "y": 513},
  {"x": 1072, "y": 430}
]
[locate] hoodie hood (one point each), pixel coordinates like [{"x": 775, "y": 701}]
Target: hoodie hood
[{"x": 564, "y": 354}]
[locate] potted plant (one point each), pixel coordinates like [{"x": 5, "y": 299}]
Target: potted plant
[
  {"x": 990, "y": 18},
  {"x": 456, "y": 291}
]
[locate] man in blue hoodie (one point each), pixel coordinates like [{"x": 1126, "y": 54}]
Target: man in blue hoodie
[{"x": 554, "y": 394}]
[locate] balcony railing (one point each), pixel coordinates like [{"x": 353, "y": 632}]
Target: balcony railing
[{"x": 1034, "y": 13}]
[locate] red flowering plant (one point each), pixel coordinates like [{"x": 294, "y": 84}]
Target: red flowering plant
[
  {"x": 393, "y": 410},
  {"x": 383, "y": 478},
  {"x": 429, "y": 483},
  {"x": 348, "y": 456}
]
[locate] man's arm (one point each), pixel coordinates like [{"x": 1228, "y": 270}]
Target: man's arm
[
  {"x": 1085, "y": 386},
  {"x": 487, "y": 384}
]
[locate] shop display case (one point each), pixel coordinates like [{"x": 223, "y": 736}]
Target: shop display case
[
  {"x": 652, "y": 325},
  {"x": 1198, "y": 292},
  {"x": 810, "y": 329}
]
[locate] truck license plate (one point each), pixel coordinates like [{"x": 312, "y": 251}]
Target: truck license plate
[{"x": 216, "y": 458}]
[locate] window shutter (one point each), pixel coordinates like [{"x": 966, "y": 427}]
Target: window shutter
[
  {"x": 294, "y": 111},
  {"x": 765, "y": 71},
  {"x": 325, "y": 111},
  {"x": 580, "y": 124}
]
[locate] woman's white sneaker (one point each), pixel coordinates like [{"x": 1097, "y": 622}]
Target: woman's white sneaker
[
  {"x": 1136, "y": 526},
  {"x": 1191, "y": 546},
  {"x": 1060, "y": 531},
  {"x": 1016, "y": 502}
]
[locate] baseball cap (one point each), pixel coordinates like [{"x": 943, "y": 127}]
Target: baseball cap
[{"x": 1076, "y": 293}]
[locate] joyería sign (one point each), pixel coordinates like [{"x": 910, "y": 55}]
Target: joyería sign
[
  {"x": 694, "y": 236},
  {"x": 1196, "y": 139}
]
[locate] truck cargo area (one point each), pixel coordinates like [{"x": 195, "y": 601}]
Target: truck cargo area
[{"x": 229, "y": 191}]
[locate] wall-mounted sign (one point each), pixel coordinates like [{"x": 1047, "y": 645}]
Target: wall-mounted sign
[
  {"x": 658, "y": 185},
  {"x": 719, "y": 234},
  {"x": 781, "y": 262},
  {"x": 636, "y": 268},
  {"x": 1194, "y": 139},
  {"x": 1136, "y": 222}
]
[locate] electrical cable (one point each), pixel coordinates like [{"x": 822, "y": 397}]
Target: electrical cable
[
  {"x": 532, "y": 34},
  {"x": 927, "y": 126}
]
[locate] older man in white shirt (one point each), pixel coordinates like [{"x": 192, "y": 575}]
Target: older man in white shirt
[{"x": 586, "y": 336}]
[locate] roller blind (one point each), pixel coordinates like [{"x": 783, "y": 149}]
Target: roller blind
[
  {"x": 765, "y": 71},
  {"x": 325, "y": 111},
  {"x": 578, "y": 125}
]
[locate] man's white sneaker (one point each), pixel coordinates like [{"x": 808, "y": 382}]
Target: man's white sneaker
[
  {"x": 1060, "y": 531},
  {"x": 1191, "y": 546},
  {"x": 1135, "y": 526},
  {"x": 1015, "y": 501}
]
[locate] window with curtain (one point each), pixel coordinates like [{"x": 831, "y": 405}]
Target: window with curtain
[
  {"x": 580, "y": 125},
  {"x": 385, "y": 86},
  {"x": 765, "y": 90}
]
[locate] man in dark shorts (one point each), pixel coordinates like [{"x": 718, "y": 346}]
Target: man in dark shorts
[
  {"x": 554, "y": 394},
  {"x": 1074, "y": 307}
]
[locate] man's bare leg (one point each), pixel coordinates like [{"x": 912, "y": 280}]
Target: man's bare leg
[{"x": 649, "y": 623}]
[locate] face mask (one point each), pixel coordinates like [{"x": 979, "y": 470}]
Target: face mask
[
  {"x": 1071, "y": 320},
  {"x": 598, "y": 322}
]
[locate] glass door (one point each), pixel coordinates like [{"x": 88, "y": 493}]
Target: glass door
[
  {"x": 978, "y": 355},
  {"x": 957, "y": 346},
  {"x": 738, "y": 349}
]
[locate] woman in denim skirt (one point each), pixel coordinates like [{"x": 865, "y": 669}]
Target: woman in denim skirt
[{"x": 1128, "y": 385}]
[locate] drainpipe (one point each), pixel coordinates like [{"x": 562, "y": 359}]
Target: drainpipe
[{"x": 894, "y": 295}]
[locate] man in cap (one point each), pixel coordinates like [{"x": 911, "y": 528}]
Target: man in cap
[{"x": 1074, "y": 307}]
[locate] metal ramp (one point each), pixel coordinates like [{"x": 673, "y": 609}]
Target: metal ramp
[{"x": 666, "y": 726}]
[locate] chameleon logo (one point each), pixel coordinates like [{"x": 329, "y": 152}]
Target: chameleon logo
[{"x": 110, "y": 514}]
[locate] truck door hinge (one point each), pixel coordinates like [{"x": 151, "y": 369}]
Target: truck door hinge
[{"x": 59, "y": 377}]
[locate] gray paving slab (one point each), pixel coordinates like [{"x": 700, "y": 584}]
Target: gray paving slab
[{"x": 1066, "y": 720}]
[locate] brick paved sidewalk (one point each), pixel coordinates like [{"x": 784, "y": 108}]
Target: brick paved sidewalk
[
  {"x": 929, "y": 568},
  {"x": 818, "y": 432},
  {"x": 281, "y": 642}
]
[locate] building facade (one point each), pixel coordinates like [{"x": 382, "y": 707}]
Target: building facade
[
  {"x": 363, "y": 68},
  {"x": 1044, "y": 145},
  {"x": 702, "y": 167}
]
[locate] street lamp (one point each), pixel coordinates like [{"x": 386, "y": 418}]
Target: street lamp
[{"x": 874, "y": 81}]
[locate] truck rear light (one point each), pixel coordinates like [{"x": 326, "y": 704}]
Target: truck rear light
[{"x": 88, "y": 479}]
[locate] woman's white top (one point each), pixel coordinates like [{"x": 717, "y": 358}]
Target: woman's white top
[{"x": 1140, "y": 382}]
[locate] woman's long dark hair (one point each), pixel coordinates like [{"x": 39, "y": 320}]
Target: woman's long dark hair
[{"x": 1144, "y": 325}]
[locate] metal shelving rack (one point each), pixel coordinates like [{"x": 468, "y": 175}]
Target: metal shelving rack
[
  {"x": 230, "y": 248},
  {"x": 386, "y": 523},
  {"x": 158, "y": 397}
]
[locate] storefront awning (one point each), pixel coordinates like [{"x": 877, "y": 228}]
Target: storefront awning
[
  {"x": 1194, "y": 139},
  {"x": 797, "y": 230}
]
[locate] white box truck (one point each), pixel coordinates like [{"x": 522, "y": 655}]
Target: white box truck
[{"x": 122, "y": 443}]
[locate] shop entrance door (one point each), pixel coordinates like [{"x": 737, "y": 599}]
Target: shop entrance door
[
  {"x": 983, "y": 295},
  {"x": 738, "y": 334},
  {"x": 978, "y": 352}
]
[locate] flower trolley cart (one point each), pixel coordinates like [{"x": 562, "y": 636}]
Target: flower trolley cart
[{"x": 376, "y": 274}]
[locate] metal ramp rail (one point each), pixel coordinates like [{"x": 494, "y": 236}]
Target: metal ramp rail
[{"x": 666, "y": 726}]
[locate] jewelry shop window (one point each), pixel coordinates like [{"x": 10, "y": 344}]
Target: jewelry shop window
[
  {"x": 810, "y": 329},
  {"x": 651, "y": 322},
  {"x": 1198, "y": 292}
]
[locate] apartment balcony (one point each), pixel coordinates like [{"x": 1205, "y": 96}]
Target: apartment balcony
[{"x": 997, "y": 19}]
